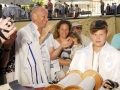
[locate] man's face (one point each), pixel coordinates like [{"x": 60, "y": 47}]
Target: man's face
[
  {"x": 42, "y": 18},
  {"x": 78, "y": 29},
  {"x": 99, "y": 38}
]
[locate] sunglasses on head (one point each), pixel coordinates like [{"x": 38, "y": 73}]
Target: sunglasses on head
[{"x": 78, "y": 27}]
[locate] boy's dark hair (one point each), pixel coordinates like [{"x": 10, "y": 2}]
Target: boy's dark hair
[{"x": 97, "y": 25}]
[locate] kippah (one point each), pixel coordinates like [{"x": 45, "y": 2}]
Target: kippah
[{"x": 99, "y": 24}]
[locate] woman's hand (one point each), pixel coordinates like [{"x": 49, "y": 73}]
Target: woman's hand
[
  {"x": 7, "y": 28},
  {"x": 67, "y": 42}
]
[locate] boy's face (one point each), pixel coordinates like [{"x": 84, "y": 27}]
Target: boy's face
[{"x": 99, "y": 38}]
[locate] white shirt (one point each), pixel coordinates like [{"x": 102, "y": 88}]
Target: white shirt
[{"x": 95, "y": 61}]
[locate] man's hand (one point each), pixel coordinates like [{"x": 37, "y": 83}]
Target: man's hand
[
  {"x": 45, "y": 32},
  {"x": 67, "y": 43},
  {"x": 109, "y": 84}
]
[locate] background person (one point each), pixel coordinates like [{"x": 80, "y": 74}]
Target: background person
[
  {"x": 102, "y": 7},
  {"x": 77, "y": 10},
  {"x": 62, "y": 62},
  {"x": 77, "y": 27},
  {"x": 77, "y": 43},
  {"x": 7, "y": 54},
  {"x": 50, "y": 9},
  {"x": 57, "y": 6},
  {"x": 116, "y": 41},
  {"x": 6, "y": 30}
]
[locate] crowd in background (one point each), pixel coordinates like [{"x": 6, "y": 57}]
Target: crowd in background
[
  {"x": 62, "y": 9},
  {"x": 14, "y": 11},
  {"x": 58, "y": 9},
  {"x": 73, "y": 10},
  {"x": 109, "y": 9}
]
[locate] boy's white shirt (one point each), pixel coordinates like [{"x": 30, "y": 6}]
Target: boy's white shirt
[
  {"x": 29, "y": 70},
  {"x": 109, "y": 62}
]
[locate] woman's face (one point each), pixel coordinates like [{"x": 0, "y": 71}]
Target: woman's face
[{"x": 64, "y": 30}]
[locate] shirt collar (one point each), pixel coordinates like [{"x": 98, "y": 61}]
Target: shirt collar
[
  {"x": 36, "y": 30},
  {"x": 35, "y": 26}
]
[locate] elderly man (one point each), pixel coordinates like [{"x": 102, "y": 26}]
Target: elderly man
[
  {"x": 35, "y": 49},
  {"x": 77, "y": 27}
]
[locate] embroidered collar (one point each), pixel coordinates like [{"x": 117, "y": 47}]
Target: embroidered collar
[{"x": 34, "y": 30}]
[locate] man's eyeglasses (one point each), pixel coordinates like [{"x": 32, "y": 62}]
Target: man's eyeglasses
[{"x": 78, "y": 27}]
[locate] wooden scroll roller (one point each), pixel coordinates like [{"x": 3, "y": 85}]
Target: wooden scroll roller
[
  {"x": 54, "y": 87},
  {"x": 92, "y": 80},
  {"x": 72, "y": 78},
  {"x": 73, "y": 87}
]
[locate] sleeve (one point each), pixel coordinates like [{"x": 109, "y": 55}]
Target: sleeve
[
  {"x": 52, "y": 41},
  {"x": 20, "y": 49},
  {"x": 114, "y": 74},
  {"x": 116, "y": 41},
  {"x": 22, "y": 57},
  {"x": 78, "y": 62}
]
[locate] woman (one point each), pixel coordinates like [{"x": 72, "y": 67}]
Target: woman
[
  {"x": 7, "y": 53},
  {"x": 7, "y": 28},
  {"x": 62, "y": 30}
]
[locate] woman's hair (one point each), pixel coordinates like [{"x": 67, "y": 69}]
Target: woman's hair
[
  {"x": 56, "y": 33},
  {"x": 73, "y": 34},
  {"x": 98, "y": 25}
]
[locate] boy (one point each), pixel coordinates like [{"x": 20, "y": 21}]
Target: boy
[{"x": 99, "y": 56}]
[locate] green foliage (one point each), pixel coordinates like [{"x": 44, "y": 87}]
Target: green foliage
[
  {"x": 39, "y": 1},
  {"x": 29, "y": 7}
]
